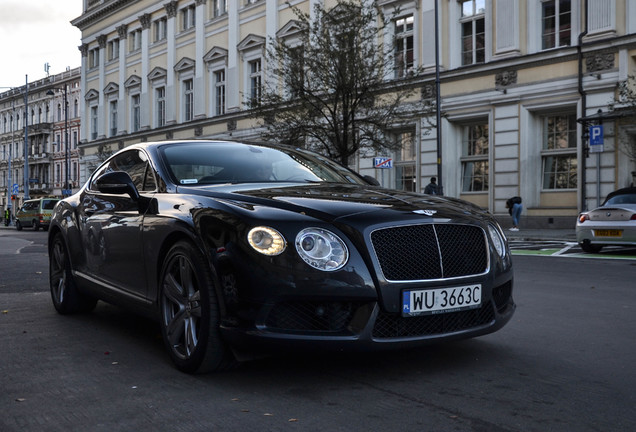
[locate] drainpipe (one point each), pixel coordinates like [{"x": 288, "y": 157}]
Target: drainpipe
[{"x": 579, "y": 50}]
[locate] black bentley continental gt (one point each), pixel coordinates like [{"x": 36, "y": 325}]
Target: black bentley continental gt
[{"x": 238, "y": 247}]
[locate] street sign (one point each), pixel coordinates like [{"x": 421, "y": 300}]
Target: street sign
[
  {"x": 382, "y": 162},
  {"x": 596, "y": 139},
  {"x": 14, "y": 191},
  {"x": 67, "y": 192}
]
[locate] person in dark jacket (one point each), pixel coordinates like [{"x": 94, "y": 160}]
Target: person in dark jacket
[
  {"x": 514, "y": 207},
  {"x": 432, "y": 188}
]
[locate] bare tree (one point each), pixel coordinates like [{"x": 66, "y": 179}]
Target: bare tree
[{"x": 338, "y": 89}]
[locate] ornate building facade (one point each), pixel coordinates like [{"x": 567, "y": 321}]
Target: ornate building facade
[
  {"x": 51, "y": 158},
  {"x": 520, "y": 83}
]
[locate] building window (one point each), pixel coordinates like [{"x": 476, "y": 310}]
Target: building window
[
  {"x": 74, "y": 139},
  {"x": 59, "y": 112},
  {"x": 160, "y": 105},
  {"x": 403, "y": 46},
  {"x": 249, "y": 2},
  {"x": 136, "y": 112},
  {"x": 113, "y": 49},
  {"x": 556, "y": 21},
  {"x": 405, "y": 161},
  {"x": 134, "y": 40},
  {"x": 475, "y": 158},
  {"x": 93, "y": 58},
  {"x": 188, "y": 99},
  {"x": 473, "y": 31},
  {"x": 559, "y": 152},
  {"x": 220, "y": 8},
  {"x": 219, "y": 92},
  {"x": 76, "y": 108},
  {"x": 255, "y": 81},
  {"x": 113, "y": 118},
  {"x": 94, "y": 120},
  {"x": 188, "y": 17},
  {"x": 160, "y": 29}
]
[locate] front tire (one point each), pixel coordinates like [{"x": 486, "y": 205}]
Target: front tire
[
  {"x": 189, "y": 312},
  {"x": 18, "y": 225},
  {"x": 64, "y": 293}
]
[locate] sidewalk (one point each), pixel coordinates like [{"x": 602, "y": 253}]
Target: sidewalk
[{"x": 542, "y": 234}]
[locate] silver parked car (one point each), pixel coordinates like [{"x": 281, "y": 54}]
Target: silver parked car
[{"x": 613, "y": 223}]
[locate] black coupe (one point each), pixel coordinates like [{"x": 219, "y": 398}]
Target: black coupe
[{"x": 239, "y": 247}]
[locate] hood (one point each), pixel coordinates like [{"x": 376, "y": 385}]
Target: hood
[{"x": 331, "y": 202}]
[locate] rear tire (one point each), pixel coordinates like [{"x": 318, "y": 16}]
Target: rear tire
[
  {"x": 64, "y": 293},
  {"x": 189, "y": 312},
  {"x": 36, "y": 225},
  {"x": 590, "y": 248}
]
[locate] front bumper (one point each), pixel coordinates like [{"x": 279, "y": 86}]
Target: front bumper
[{"x": 353, "y": 326}]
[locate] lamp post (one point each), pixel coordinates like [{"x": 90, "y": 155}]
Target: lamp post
[
  {"x": 67, "y": 186},
  {"x": 437, "y": 107},
  {"x": 26, "y": 139}
]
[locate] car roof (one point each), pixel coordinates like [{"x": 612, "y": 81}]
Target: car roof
[{"x": 624, "y": 191}]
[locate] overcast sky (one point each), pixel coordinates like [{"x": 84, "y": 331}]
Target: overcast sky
[{"x": 34, "y": 32}]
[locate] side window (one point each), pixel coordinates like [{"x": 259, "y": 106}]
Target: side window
[{"x": 135, "y": 163}]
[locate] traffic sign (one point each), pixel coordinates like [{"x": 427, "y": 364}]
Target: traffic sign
[
  {"x": 596, "y": 139},
  {"x": 382, "y": 162},
  {"x": 15, "y": 189}
]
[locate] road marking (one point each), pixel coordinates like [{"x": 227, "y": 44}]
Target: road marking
[
  {"x": 566, "y": 248},
  {"x": 558, "y": 253}
]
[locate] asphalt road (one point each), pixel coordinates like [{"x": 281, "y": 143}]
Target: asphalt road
[{"x": 564, "y": 363}]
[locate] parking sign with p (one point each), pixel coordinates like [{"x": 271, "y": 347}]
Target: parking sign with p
[{"x": 596, "y": 138}]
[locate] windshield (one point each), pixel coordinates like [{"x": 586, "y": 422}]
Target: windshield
[
  {"x": 621, "y": 199},
  {"x": 224, "y": 162},
  {"x": 48, "y": 204}
]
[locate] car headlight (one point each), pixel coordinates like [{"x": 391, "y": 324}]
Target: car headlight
[
  {"x": 266, "y": 240},
  {"x": 321, "y": 249},
  {"x": 498, "y": 239}
]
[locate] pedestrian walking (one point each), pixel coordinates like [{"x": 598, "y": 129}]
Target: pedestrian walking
[
  {"x": 514, "y": 207},
  {"x": 432, "y": 188}
]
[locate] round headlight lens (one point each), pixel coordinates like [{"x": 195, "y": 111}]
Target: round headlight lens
[
  {"x": 498, "y": 239},
  {"x": 321, "y": 249},
  {"x": 266, "y": 240}
]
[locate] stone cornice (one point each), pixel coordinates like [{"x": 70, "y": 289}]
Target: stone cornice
[{"x": 98, "y": 13}]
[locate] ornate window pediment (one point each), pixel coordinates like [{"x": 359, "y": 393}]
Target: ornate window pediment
[
  {"x": 133, "y": 81},
  {"x": 111, "y": 88},
  {"x": 184, "y": 64},
  {"x": 291, "y": 29},
  {"x": 216, "y": 54},
  {"x": 251, "y": 42},
  {"x": 157, "y": 73},
  {"x": 92, "y": 94}
]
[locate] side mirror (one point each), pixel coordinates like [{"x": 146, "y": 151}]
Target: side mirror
[
  {"x": 371, "y": 180},
  {"x": 118, "y": 183}
]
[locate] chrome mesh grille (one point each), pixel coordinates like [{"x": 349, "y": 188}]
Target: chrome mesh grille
[
  {"x": 395, "y": 326},
  {"x": 420, "y": 252}
]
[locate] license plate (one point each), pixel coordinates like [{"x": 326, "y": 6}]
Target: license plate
[
  {"x": 441, "y": 300},
  {"x": 608, "y": 233}
]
